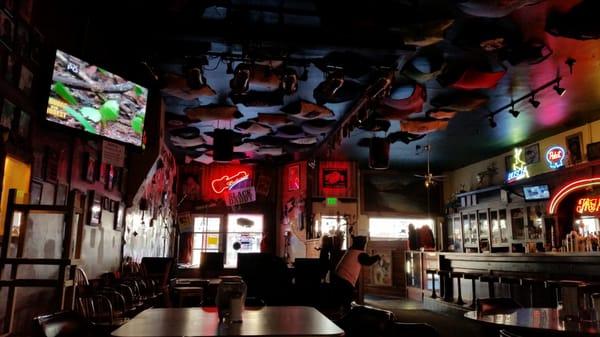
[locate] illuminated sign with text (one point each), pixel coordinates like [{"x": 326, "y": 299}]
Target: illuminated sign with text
[
  {"x": 227, "y": 183},
  {"x": 555, "y": 157},
  {"x": 519, "y": 167},
  {"x": 588, "y": 205}
]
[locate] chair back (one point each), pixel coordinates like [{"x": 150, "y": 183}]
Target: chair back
[
  {"x": 496, "y": 305},
  {"x": 81, "y": 278},
  {"x": 212, "y": 264},
  {"x": 61, "y": 324},
  {"x": 158, "y": 268},
  {"x": 366, "y": 321}
]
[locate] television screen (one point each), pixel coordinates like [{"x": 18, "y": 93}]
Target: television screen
[
  {"x": 537, "y": 192},
  {"x": 89, "y": 98}
]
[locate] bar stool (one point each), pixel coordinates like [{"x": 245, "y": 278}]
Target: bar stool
[
  {"x": 444, "y": 293},
  {"x": 490, "y": 279},
  {"x": 458, "y": 276},
  {"x": 510, "y": 281},
  {"x": 432, "y": 272},
  {"x": 530, "y": 283},
  {"x": 554, "y": 286},
  {"x": 473, "y": 277}
]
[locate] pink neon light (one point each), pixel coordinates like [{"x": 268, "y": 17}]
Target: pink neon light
[
  {"x": 227, "y": 182},
  {"x": 565, "y": 190}
]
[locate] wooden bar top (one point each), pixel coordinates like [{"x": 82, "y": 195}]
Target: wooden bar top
[{"x": 204, "y": 322}]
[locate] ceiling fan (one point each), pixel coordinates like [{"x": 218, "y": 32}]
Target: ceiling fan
[{"x": 429, "y": 178}]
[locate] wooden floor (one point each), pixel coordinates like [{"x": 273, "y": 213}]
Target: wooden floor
[{"x": 412, "y": 311}]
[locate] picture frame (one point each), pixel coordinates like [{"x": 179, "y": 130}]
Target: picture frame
[
  {"x": 62, "y": 190},
  {"x": 8, "y": 114},
  {"x": 293, "y": 177},
  {"x": 25, "y": 80},
  {"x": 110, "y": 177},
  {"x": 11, "y": 72},
  {"x": 35, "y": 192},
  {"x": 574, "y": 148},
  {"x": 593, "y": 151},
  {"x": 94, "y": 211},
  {"x": 22, "y": 43},
  {"x": 23, "y": 127},
  {"x": 532, "y": 153},
  {"x": 120, "y": 218},
  {"x": 88, "y": 169}
]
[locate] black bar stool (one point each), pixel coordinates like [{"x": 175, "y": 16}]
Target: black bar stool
[
  {"x": 445, "y": 294},
  {"x": 510, "y": 281},
  {"x": 490, "y": 279},
  {"x": 473, "y": 277},
  {"x": 458, "y": 276},
  {"x": 432, "y": 272},
  {"x": 529, "y": 283}
]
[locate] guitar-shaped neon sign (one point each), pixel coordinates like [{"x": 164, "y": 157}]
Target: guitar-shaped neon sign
[{"x": 227, "y": 182}]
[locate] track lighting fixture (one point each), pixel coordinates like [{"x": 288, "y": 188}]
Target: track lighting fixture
[
  {"x": 492, "y": 122},
  {"x": 514, "y": 112},
  {"x": 304, "y": 76},
  {"x": 559, "y": 90},
  {"x": 535, "y": 103},
  {"x": 570, "y": 62}
]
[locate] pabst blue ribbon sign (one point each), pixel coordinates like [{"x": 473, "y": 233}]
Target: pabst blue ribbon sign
[{"x": 555, "y": 157}]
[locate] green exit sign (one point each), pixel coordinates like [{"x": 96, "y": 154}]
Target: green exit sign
[{"x": 331, "y": 201}]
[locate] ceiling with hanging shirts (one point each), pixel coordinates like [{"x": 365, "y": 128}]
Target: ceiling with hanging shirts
[{"x": 294, "y": 79}]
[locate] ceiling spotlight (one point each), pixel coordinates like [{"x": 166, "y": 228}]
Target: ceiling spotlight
[
  {"x": 514, "y": 112},
  {"x": 492, "y": 122},
  {"x": 229, "y": 68},
  {"x": 535, "y": 103},
  {"x": 570, "y": 62},
  {"x": 304, "y": 76},
  {"x": 559, "y": 90}
]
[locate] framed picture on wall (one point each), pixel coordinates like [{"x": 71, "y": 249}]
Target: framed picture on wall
[
  {"x": 120, "y": 218},
  {"x": 61, "y": 195},
  {"x": 593, "y": 151},
  {"x": 532, "y": 153},
  {"x": 88, "y": 167},
  {"x": 574, "y": 148},
  {"x": 50, "y": 164},
  {"x": 294, "y": 177},
  {"x": 94, "y": 208}
]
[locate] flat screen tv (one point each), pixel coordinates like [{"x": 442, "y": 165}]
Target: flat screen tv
[
  {"x": 536, "y": 192},
  {"x": 89, "y": 98}
]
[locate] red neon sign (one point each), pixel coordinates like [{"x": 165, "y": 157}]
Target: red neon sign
[
  {"x": 227, "y": 183},
  {"x": 589, "y": 205},
  {"x": 570, "y": 187}
]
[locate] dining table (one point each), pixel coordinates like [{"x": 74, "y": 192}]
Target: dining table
[
  {"x": 546, "y": 320},
  {"x": 298, "y": 321}
]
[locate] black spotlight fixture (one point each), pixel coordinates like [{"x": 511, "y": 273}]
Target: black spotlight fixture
[
  {"x": 514, "y": 112},
  {"x": 559, "y": 90},
  {"x": 229, "y": 67},
  {"x": 492, "y": 122},
  {"x": 534, "y": 102},
  {"x": 570, "y": 62},
  {"x": 304, "y": 76}
]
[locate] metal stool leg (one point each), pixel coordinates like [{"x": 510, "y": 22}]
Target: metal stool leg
[
  {"x": 473, "y": 295},
  {"x": 459, "y": 301}
]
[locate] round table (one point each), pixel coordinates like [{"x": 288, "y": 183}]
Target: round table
[{"x": 537, "y": 318}]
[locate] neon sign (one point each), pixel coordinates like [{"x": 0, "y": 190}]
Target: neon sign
[
  {"x": 555, "y": 157},
  {"x": 567, "y": 189},
  {"x": 227, "y": 183},
  {"x": 519, "y": 167},
  {"x": 589, "y": 205}
]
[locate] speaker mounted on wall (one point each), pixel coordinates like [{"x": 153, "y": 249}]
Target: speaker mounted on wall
[{"x": 223, "y": 145}]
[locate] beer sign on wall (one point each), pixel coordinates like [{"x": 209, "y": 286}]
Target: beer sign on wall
[
  {"x": 519, "y": 167},
  {"x": 555, "y": 157},
  {"x": 588, "y": 205}
]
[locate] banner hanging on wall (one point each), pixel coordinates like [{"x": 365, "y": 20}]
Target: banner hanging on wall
[{"x": 240, "y": 196}]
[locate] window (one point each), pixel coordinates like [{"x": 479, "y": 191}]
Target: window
[
  {"x": 206, "y": 236},
  {"x": 244, "y": 232},
  {"x": 394, "y": 228},
  {"x": 330, "y": 223}
]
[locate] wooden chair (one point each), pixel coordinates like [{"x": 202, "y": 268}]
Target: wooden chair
[{"x": 62, "y": 324}]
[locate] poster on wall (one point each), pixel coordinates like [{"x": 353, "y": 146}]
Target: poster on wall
[
  {"x": 240, "y": 196},
  {"x": 294, "y": 177},
  {"x": 381, "y": 272},
  {"x": 574, "y": 148},
  {"x": 335, "y": 178}
]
